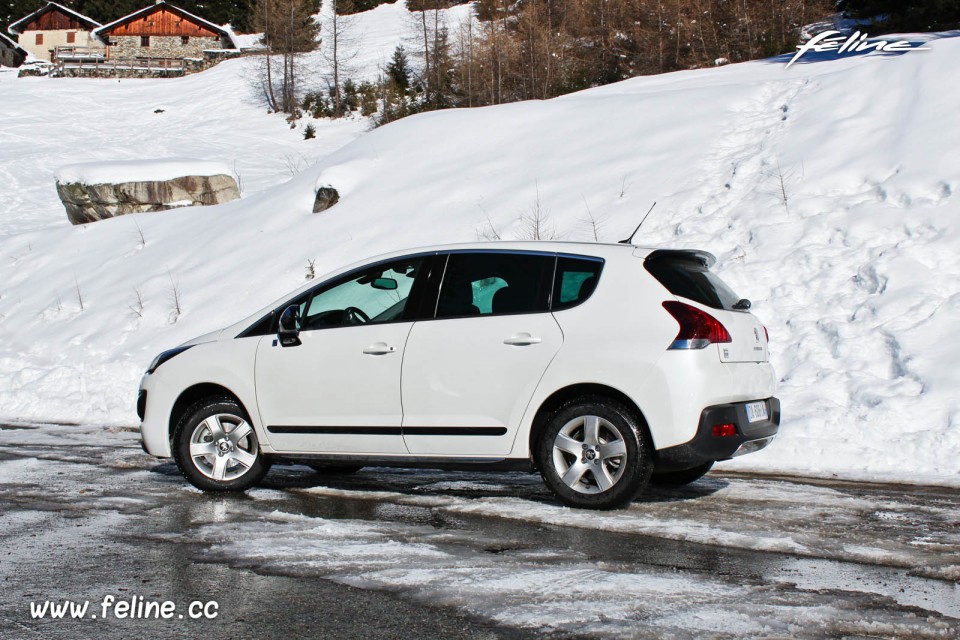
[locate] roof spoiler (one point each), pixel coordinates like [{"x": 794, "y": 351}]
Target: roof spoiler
[{"x": 690, "y": 255}]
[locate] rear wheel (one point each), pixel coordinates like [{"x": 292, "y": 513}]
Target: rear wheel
[
  {"x": 680, "y": 478},
  {"x": 217, "y": 449},
  {"x": 594, "y": 454}
]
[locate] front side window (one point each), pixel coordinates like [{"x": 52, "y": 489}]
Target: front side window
[
  {"x": 144, "y": 41},
  {"x": 39, "y": 38},
  {"x": 374, "y": 295},
  {"x": 479, "y": 284}
]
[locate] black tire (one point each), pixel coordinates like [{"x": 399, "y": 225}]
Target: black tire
[
  {"x": 237, "y": 459},
  {"x": 609, "y": 478},
  {"x": 680, "y": 478},
  {"x": 334, "y": 468}
]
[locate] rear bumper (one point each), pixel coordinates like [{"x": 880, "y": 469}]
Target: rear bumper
[{"x": 706, "y": 447}]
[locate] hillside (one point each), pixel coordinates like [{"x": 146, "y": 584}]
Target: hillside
[{"x": 827, "y": 191}]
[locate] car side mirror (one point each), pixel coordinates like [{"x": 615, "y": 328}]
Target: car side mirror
[{"x": 288, "y": 332}]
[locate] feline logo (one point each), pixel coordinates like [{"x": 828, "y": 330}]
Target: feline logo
[{"x": 857, "y": 43}]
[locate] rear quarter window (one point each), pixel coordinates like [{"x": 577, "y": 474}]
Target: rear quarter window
[
  {"x": 692, "y": 280},
  {"x": 575, "y": 280}
]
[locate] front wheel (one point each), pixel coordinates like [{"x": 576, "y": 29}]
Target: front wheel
[
  {"x": 217, "y": 449},
  {"x": 594, "y": 454}
]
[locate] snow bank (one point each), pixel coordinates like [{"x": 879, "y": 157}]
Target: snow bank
[
  {"x": 139, "y": 170},
  {"x": 828, "y": 192}
]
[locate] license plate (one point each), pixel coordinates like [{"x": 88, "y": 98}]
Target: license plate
[{"x": 757, "y": 411}]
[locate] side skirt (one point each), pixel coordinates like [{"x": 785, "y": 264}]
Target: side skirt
[{"x": 411, "y": 462}]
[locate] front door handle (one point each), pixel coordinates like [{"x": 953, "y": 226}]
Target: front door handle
[
  {"x": 379, "y": 349},
  {"x": 522, "y": 340}
]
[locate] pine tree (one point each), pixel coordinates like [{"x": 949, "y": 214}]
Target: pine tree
[{"x": 398, "y": 71}]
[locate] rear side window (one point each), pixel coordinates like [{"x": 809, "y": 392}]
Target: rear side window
[
  {"x": 575, "y": 280},
  {"x": 482, "y": 284},
  {"x": 692, "y": 280}
]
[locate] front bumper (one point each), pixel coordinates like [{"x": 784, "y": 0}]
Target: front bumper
[{"x": 706, "y": 447}]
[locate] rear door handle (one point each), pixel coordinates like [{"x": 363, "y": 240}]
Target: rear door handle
[
  {"x": 522, "y": 340},
  {"x": 379, "y": 349}
]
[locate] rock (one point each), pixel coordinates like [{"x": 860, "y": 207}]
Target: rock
[
  {"x": 91, "y": 202},
  {"x": 326, "y": 198}
]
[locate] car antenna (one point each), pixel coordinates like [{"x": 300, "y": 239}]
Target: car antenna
[{"x": 630, "y": 239}]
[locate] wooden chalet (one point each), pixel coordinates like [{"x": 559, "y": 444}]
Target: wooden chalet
[
  {"x": 162, "y": 31},
  {"x": 53, "y": 28}
]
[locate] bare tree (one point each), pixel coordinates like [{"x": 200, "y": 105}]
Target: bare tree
[
  {"x": 289, "y": 30},
  {"x": 340, "y": 48}
]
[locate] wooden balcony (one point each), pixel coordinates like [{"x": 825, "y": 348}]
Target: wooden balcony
[{"x": 78, "y": 54}]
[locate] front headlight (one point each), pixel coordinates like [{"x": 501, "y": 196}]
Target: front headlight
[{"x": 163, "y": 357}]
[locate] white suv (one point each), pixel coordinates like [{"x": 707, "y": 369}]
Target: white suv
[{"x": 603, "y": 366}]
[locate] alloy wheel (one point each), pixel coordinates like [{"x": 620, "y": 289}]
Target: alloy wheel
[
  {"x": 223, "y": 447},
  {"x": 589, "y": 454}
]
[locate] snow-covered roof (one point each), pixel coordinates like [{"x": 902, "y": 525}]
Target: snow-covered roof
[
  {"x": 12, "y": 44},
  {"x": 244, "y": 41},
  {"x": 50, "y": 6},
  {"x": 154, "y": 7}
]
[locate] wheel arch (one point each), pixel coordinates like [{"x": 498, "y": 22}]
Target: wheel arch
[
  {"x": 555, "y": 400},
  {"x": 195, "y": 393}
]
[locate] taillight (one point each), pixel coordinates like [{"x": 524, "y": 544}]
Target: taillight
[
  {"x": 724, "y": 430},
  {"x": 697, "y": 328}
]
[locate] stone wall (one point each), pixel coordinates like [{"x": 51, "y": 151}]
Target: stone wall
[
  {"x": 128, "y": 47},
  {"x": 108, "y": 71},
  {"x": 117, "y": 68}
]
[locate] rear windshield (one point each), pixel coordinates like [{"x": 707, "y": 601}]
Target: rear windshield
[{"x": 690, "y": 279}]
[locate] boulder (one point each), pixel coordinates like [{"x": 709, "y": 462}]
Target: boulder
[
  {"x": 326, "y": 197},
  {"x": 92, "y": 192}
]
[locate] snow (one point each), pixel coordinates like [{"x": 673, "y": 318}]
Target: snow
[
  {"x": 247, "y": 41},
  {"x": 370, "y": 38},
  {"x": 138, "y": 170},
  {"x": 565, "y": 589},
  {"x": 214, "y": 116},
  {"x": 828, "y": 192},
  {"x": 776, "y": 517}
]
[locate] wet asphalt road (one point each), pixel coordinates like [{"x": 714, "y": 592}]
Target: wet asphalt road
[{"x": 422, "y": 554}]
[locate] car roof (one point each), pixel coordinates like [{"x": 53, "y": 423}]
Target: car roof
[{"x": 548, "y": 246}]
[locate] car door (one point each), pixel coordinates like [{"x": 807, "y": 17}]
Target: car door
[
  {"x": 338, "y": 390},
  {"x": 469, "y": 373}
]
